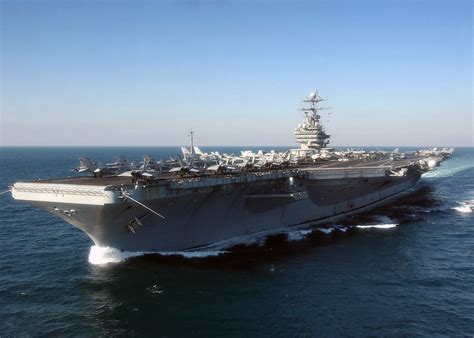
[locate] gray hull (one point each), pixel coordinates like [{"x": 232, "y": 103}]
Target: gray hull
[{"x": 203, "y": 218}]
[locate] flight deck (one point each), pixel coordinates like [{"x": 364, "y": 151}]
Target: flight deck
[{"x": 320, "y": 166}]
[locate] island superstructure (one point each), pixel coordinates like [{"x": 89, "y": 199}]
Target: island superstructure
[
  {"x": 206, "y": 198},
  {"x": 311, "y": 134}
]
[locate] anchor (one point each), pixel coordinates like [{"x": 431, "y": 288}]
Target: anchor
[{"x": 134, "y": 223}]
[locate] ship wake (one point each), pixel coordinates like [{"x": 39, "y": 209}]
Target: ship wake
[
  {"x": 377, "y": 226},
  {"x": 447, "y": 171},
  {"x": 107, "y": 255},
  {"x": 464, "y": 207}
]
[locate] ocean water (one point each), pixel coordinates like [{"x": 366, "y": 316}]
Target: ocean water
[{"x": 402, "y": 269}]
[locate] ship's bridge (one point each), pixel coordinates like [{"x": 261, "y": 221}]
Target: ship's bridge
[{"x": 311, "y": 134}]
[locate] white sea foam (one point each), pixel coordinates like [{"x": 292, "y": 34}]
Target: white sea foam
[
  {"x": 106, "y": 255},
  {"x": 155, "y": 289},
  {"x": 377, "y": 226},
  {"x": 446, "y": 172},
  {"x": 385, "y": 223},
  {"x": 193, "y": 254},
  {"x": 258, "y": 240},
  {"x": 298, "y": 235},
  {"x": 326, "y": 230},
  {"x": 465, "y": 207}
]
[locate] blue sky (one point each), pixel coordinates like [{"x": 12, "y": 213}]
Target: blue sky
[{"x": 146, "y": 72}]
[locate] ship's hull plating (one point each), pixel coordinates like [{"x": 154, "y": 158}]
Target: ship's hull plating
[{"x": 201, "y": 219}]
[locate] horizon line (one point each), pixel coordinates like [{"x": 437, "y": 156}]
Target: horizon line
[{"x": 221, "y": 146}]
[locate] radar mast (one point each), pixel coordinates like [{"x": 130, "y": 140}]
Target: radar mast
[{"x": 311, "y": 134}]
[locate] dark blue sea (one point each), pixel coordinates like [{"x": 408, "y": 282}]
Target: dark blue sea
[{"x": 410, "y": 274}]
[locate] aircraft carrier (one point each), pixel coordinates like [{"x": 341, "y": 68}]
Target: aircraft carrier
[{"x": 201, "y": 199}]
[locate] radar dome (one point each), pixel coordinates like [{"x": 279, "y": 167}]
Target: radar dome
[{"x": 312, "y": 96}]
